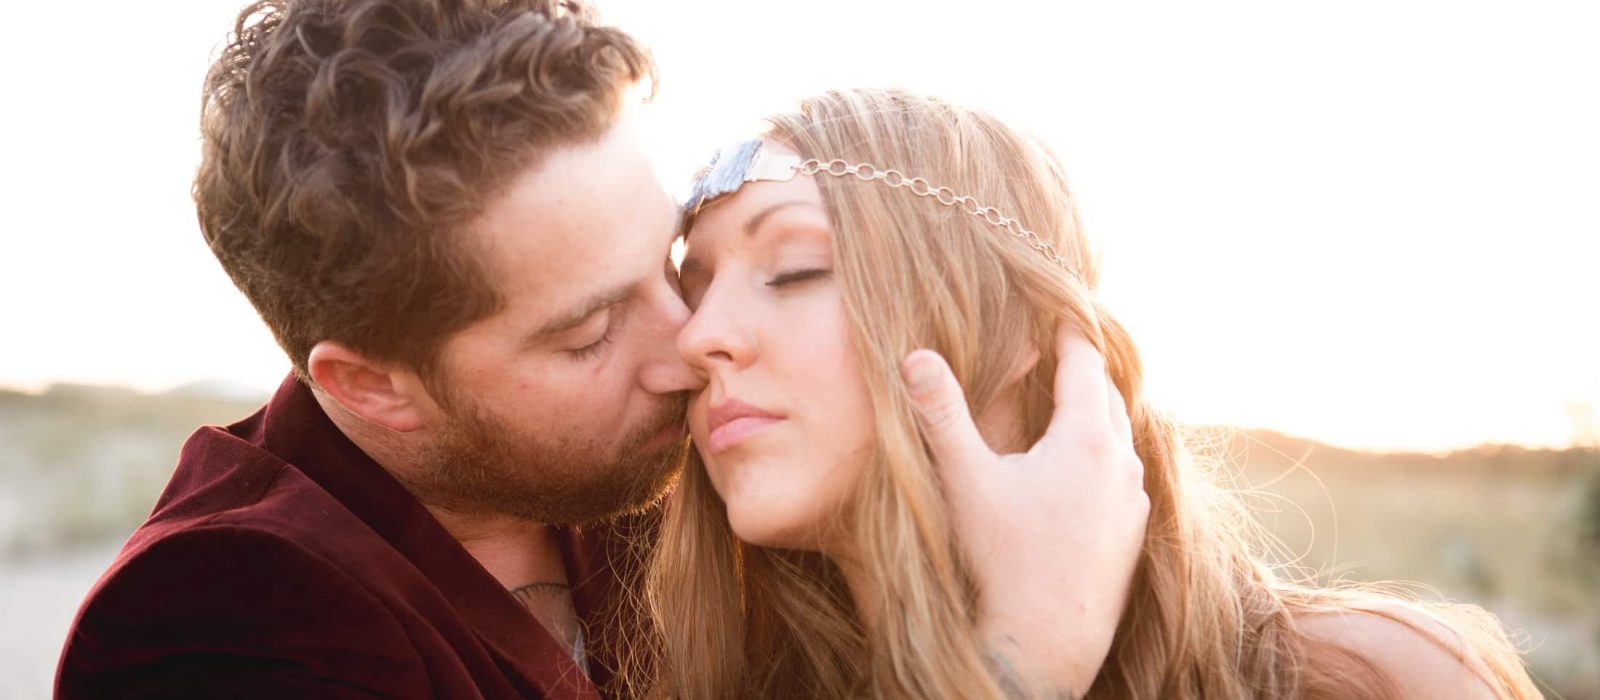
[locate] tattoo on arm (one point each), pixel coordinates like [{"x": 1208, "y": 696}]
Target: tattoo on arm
[{"x": 1014, "y": 686}]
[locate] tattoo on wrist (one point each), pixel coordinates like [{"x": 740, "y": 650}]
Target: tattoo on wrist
[{"x": 1014, "y": 686}]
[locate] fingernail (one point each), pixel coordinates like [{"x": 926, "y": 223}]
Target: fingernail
[{"x": 922, "y": 375}]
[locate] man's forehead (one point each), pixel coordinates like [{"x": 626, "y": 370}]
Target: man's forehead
[
  {"x": 559, "y": 303},
  {"x": 549, "y": 275},
  {"x": 588, "y": 216},
  {"x": 547, "y": 295}
]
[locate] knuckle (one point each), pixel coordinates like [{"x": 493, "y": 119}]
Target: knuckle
[
  {"x": 1097, "y": 446},
  {"x": 940, "y": 411},
  {"x": 1134, "y": 480},
  {"x": 1133, "y": 465}
]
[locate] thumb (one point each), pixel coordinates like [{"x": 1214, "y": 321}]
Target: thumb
[{"x": 941, "y": 407}]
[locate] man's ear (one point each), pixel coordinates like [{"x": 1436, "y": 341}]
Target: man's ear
[{"x": 381, "y": 393}]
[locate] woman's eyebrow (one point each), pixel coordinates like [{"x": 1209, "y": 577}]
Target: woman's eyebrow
[
  {"x": 753, "y": 224},
  {"x": 691, "y": 264}
]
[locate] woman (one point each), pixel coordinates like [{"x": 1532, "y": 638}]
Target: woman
[{"x": 808, "y": 552}]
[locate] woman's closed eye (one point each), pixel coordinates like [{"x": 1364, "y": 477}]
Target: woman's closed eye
[{"x": 798, "y": 276}]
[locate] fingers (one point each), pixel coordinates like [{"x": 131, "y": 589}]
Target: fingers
[
  {"x": 1117, "y": 414},
  {"x": 1082, "y": 389},
  {"x": 942, "y": 409},
  {"x": 1122, "y": 434}
]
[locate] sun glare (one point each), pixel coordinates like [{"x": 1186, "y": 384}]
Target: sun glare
[{"x": 1386, "y": 247}]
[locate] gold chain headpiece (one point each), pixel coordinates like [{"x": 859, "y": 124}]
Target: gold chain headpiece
[
  {"x": 866, "y": 172},
  {"x": 750, "y": 161}
]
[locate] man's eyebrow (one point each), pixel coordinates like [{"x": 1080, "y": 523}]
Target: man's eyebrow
[{"x": 580, "y": 313}]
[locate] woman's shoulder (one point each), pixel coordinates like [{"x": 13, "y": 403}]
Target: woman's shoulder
[{"x": 1419, "y": 653}]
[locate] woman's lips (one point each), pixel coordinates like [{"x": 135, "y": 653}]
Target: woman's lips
[
  {"x": 735, "y": 431},
  {"x": 732, "y": 420}
]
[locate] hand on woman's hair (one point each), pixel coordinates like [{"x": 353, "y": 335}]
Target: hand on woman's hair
[{"x": 1063, "y": 522}]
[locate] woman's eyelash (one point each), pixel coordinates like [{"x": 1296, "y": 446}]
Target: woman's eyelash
[{"x": 798, "y": 276}]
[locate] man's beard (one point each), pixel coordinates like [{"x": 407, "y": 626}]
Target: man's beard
[{"x": 484, "y": 465}]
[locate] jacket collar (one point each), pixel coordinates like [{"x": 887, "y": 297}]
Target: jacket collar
[{"x": 294, "y": 428}]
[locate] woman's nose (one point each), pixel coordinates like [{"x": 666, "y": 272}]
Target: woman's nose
[{"x": 717, "y": 333}]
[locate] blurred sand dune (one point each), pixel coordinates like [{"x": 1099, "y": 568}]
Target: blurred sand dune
[{"x": 1514, "y": 530}]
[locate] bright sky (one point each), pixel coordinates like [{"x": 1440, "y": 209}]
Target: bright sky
[{"x": 1372, "y": 223}]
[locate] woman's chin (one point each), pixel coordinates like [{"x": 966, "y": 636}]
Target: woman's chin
[
  {"x": 764, "y": 526},
  {"x": 781, "y": 504}
]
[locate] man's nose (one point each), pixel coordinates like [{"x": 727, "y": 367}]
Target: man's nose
[{"x": 666, "y": 371}]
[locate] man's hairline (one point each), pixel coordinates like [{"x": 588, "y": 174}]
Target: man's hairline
[{"x": 471, "y": 233}]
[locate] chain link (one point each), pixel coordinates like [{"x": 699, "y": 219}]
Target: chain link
[{"x": 943, "y": 195}]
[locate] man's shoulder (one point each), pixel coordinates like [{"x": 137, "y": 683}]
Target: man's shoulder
[
  {"x": 223, "y": 562},
  {"x": 225, "y": 488},
  {"x": 238, "y": 600},
  {"x": 219, "y": 472},
  {"x": 235, "y": 531},
  {"x": 252, "y": 576}
]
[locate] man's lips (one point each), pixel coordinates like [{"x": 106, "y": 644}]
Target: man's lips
[{"x": 731, "y": 421}]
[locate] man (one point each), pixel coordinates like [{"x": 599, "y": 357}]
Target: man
[{"x": 438, "y": 209}]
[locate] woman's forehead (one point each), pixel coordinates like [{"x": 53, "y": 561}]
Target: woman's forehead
[{"x": 746, "y": 210}]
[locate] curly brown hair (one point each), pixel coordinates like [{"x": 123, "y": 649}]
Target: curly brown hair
[{"x": 348, "y": 145}]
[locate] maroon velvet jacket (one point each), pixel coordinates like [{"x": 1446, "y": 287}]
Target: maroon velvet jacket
[{"x": 282, "y": 562}]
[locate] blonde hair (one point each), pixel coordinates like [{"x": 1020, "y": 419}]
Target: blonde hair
[{"x": 1206, "y": 616}]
